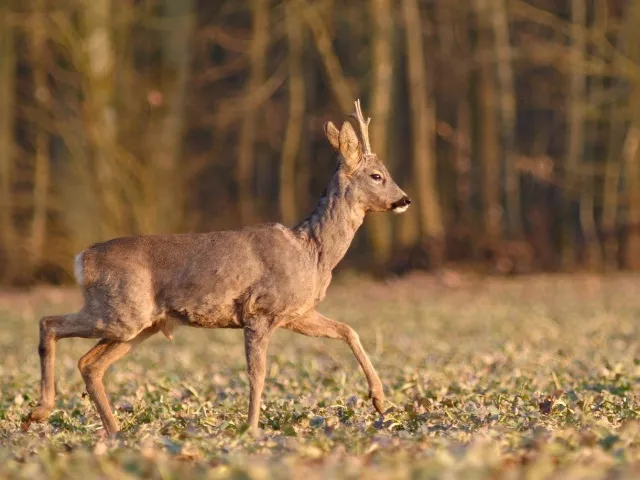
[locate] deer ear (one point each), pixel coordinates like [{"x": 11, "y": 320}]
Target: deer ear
[
  {"x": 349, "y": 145},
  {"x": 333, "y": 135}
]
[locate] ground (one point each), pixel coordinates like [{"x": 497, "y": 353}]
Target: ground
[{"x": 498, "y": 378}]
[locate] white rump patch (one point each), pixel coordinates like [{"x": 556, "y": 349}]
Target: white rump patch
[
  {"x": 401, "y": 209},
  {"x": 78, "y": 268}
]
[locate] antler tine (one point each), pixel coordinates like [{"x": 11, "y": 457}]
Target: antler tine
[{"x": 364, "y": 127}]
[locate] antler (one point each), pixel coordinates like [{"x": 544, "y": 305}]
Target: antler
[{"x": 364, "y": 127}]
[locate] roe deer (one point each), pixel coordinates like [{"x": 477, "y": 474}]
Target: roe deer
[{"x": 258, "y": 278}]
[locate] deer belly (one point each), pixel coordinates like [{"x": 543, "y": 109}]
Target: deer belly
[{"x": 217, "y": 317}]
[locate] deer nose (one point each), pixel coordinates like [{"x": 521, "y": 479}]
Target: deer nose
[{"x": 402, "y": 204}]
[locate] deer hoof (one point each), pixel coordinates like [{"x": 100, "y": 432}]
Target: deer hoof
[
  {"x": 39, "y": 414},
  {"x": 378, "y": 403}
]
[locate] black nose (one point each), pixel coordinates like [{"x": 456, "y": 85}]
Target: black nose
[{"x": 403, "y": 202}]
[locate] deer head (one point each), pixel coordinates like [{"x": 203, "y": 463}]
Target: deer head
[{"x": 367, "y": 177}]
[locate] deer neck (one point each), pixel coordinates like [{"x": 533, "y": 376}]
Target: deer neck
[{"x": 332, "y": 225}]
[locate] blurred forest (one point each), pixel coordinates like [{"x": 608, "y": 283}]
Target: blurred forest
[{"x": 514, "y": 125}]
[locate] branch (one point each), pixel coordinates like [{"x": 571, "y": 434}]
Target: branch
[{"x": 595, "y": 37}]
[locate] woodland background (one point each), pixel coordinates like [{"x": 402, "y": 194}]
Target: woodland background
[{"x": 514, "y": 124}]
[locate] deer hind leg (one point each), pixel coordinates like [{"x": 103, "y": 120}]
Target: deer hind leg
[
  {"x": 53, "y": 328},
  {"x": 256, "y": 341},
  {"x": 314, "y": 324},
  {"x": 94, "y": 364}
]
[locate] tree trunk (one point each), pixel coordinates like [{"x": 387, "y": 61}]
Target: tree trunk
[
  {"x": 611, "y": 193},
  {"x": 423, "y": 133},
  {"x": 593, "y": 254},
  {"x": 489, "y": 147},
  {"x": 100, "y": 115},
  {"x": 312, "y": 71},
  {"x": 42, "y": 161},
  {"x": 613, "y": 173},
  {"x": 507, "y": 107},
  {"x": 258, "y": 55},
  {"x": 331, "y": 63},
  {"x": 463, "y": 138},
  {"x": 632, "y": 152},
  {"x": 169, "y": 188},
  {"x": 576, "y": 99},
  {"x": 631, "y": 159},
  {"x": 293, "y": 133},
  {"x": 379, "y": 226},
  {"x": 463, "y": 155},
  {"x": 8, "y": 253}
]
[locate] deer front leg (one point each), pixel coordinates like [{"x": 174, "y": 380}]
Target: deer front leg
[
  {"x": 256, "y": 341},
  {"x": 314, "y": 324}
]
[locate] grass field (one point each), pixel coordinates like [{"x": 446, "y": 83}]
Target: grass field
[{"x": 526, "y": 378}]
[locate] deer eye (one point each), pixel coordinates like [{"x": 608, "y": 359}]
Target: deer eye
[{"x": 376, "y": 177}]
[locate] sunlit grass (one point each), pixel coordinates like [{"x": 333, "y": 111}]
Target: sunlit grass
[{"x": 496, "y": 378}]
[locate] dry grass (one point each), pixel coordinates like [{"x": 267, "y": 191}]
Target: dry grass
[{"x": 497, "y": 379}]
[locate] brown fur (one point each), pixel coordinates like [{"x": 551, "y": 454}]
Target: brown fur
[{"x": 258, "y": 278}]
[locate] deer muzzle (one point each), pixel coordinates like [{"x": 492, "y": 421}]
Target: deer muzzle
[{"x": 401, "y": 205}]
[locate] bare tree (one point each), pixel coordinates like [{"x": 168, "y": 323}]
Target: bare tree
[
  {"x": 100, "y": 110},
  {"x": 613, "y": 169},
  {"x": 39, "y": 55},
  {"x": 322, "y": 38},
  {"x": 575, "y": 138},
  {"x": 463, "y": 144},
  {"x": 7, "y": 118},
  {"x": 593, "y": 255},
  {"x": 631, "y": 159},
  {"x": 122, "y": 139},
  {"x": 507, "y": 105},
  {"x": 379, "y": 227},
  {"x": 611, "y": 187},
  {"x": 258, "y": 55},
  {"x": 291, "y": 147},
  {"x": 632, "y": 152},
  {"x": 176, "y": 48},
  {"x": 489, "y": 148},
  {"x": 423, "y": 133}
]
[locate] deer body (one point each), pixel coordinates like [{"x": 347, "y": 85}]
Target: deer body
[
  {"x": 211, "y": 280},
  {"x": 258, "y": 279}
]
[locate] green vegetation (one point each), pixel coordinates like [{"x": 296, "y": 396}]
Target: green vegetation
[{"x": 495, "y": 379}]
